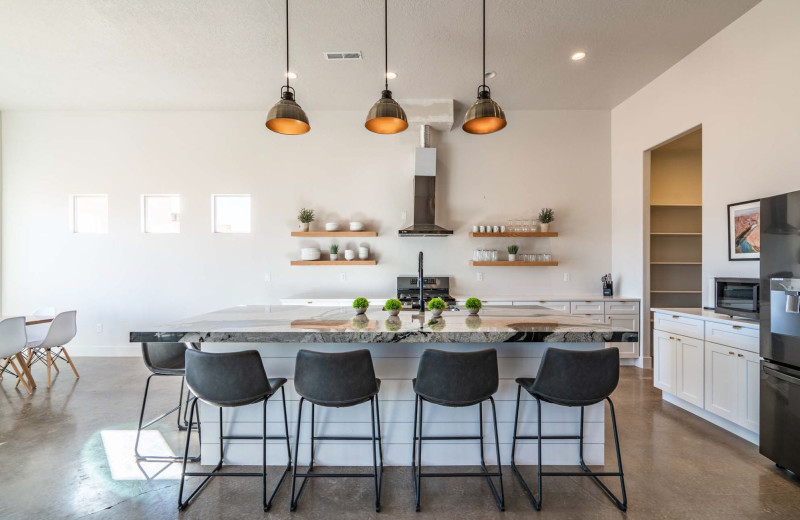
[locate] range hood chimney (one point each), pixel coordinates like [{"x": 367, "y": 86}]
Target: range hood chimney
[{"x": 425, "y": 191}]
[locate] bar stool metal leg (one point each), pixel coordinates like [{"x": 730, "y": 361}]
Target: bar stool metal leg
[{"x": 140, "y": 427}]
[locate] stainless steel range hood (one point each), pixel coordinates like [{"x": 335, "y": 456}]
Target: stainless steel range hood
[{"x": 425, "y": 192}]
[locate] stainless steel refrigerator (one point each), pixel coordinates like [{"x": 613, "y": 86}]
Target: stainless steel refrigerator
[{"x": 780, "y": 330}]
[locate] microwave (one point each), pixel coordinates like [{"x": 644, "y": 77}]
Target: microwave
[{"x": 737, "y": 297}]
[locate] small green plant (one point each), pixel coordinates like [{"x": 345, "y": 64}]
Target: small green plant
[
  {"x": 437, "y": 304},
  {"x": 546, "y": 216},
  {"x": 473, "y": 303},
  {"x": 512, "y": 250},
  {"x": 334, "y": 249},
  {"x": 360, "y": 303},
  {"x": 393, "y": 304},
  {"x": 306, "y": 216}
]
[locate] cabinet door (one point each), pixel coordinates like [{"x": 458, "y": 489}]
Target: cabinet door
[
  {"x": 665, "y": 361},
  {"x": 749, "y": 382},
  {"x": 628, "y": 349},
  {"x": 722, "y": 381},
  {"x": 690, "y": 370}
]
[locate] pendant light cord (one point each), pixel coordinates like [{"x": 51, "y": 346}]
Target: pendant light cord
[
  {"x": 386, "y": 43},
  {"x": 287, "y": 44},
  {"x": 483, "y": 79}
]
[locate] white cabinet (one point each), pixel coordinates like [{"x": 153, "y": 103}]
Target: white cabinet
[
  {"x": 587, "y": 307},
  {"x": 628, "y": 349},
  {"x": 722, "y": 385},
  {"x": 749, "y": 382},
  {"x": 678, "y": 366}
]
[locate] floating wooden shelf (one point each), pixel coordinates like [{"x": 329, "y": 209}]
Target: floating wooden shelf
[
  {"x": 520, "y": 234},
  {"x": 677, "y": 292},
  {"x": 506, "y": 263},
  {"x": 675, "y": 234},
  {"x": 334, "y": 233},
  {"x": 676, "y": 263},
  {"x": 334, "y": 262},
  {"x": 676, "y": 205}
]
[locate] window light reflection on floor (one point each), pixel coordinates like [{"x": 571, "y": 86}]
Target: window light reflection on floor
[{"x": 119, "y": 448}]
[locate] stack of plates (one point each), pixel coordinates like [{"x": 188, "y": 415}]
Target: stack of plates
[
  {"x": 309, "y": 253},
  {"x": 356, "y": 226},
  {"x": 331, "y": 226}
]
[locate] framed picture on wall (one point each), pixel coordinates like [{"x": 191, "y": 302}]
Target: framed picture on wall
[{"x": 744, "y": 230}]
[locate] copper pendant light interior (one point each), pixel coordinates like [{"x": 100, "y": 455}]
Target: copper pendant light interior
[{"x": 386, "y": 116}]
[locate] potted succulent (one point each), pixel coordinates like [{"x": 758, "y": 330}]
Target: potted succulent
[
  {"x": 473, "y": 305},
  {"x": 360, "y": 305},
  {"x": 393, "y": 306},
  {"x": 436, "y": 306},
  {"x": 546, "y": 216},
  {"x": 393, "y": 324},
  {"x": 334, "y": 249},
  {"x": 306, "y": 217},
  {"x": 512, "y": 253}
]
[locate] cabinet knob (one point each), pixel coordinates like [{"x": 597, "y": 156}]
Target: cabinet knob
[
  {"x": 737, "y": 327},
  {"x": 741, "y": 355},
  {"x": 731, "y": 353},
  {"x": 671, "y": 337},
  {"x": 675, "y": 317}
]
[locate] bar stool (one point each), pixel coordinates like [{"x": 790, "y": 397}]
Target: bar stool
[
  {"x": 456, "y": 379},
  {"x": 165, "y": 360},
  {"x": 572, "y": 378},
  {"x": 337, "y": 380},
  {"x": 231, "y": 380}
]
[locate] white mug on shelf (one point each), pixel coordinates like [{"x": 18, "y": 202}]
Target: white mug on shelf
[
  {"x": 482, "y": 229},
  {"x": 474, "y": 229},
  {"x": 496, "y": 229},
  {"x": 349, "y": 254},
  {"x": 363, "y": 252}
]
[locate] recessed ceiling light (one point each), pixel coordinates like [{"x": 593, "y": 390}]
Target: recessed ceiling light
[
  {"x": 490, "y": 74},
  {"x": 391, "y": 75},
  {"x": 578, "y": 56},
  {"x": 291, "y": 75}
]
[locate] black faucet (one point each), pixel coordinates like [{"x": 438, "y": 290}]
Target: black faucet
[{"x": 420, "y": 282}]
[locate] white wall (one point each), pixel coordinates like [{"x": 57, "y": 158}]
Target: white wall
[
  {"x": 127, "y": 280},
  {"x": 742, "y": 86}
]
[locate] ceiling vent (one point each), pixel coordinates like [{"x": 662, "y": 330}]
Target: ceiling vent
[{"x": 354, "y": 55}]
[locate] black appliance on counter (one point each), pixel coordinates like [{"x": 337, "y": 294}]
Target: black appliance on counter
[
  {"x": 780, "y": 330},
  {"x": 432, "y": 287},
  {"x": 737, "y": 297}
]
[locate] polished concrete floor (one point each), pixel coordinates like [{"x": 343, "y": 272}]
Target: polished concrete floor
[{"x": 66, "y": 453}]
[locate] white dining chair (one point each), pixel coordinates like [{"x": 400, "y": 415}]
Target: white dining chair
[
  {"x": 62, "y": 329},
  {"x": 37, "y": 333},
  {"x": 12, "y": 340}
]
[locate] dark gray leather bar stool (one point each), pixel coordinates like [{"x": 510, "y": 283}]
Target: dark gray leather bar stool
[
  {"x": 456, "y": 379},
  {"x": 337, "y": 380},
  {"x": 572, "y": 378},
  {"x": 230, "y": 380},
  {"x": 164, "y": 360}
]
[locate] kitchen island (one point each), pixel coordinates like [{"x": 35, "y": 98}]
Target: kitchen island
[{"x": 520, "y": 334}]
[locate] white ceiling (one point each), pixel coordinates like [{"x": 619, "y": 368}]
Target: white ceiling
[{"x": 212, "y": 54}]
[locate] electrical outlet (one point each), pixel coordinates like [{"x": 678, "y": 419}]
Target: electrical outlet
[
  {"x": 267, "y": 277},
  {"x": 403, "y": 216},
  {"x": 99, "y": 328},
  {"x": 343, "y": 277},
  {"x": 480, "y": 276},
  {"x": 566, "y": 277}
]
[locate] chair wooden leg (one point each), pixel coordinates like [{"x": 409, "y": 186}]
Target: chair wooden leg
[
  {"x": 3, "y": 369},
  {"x": 21, "y": 377},
  {"x": 71, "y": 364},
  {"x": 49, "y": 363},
  {"x": 25, "y": 370}
]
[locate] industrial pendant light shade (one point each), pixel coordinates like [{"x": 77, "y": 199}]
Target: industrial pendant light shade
[
  {"x": 286, "y": 117},
  {"x": 484, "y": 116},
  {"x": 386, "y": 116}
]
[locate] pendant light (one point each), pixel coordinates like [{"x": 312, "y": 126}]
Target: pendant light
[
  {"x": 286, "y": 117},
  {"x": 386, "y": 116},
  {"x": 484, "y": 116}
]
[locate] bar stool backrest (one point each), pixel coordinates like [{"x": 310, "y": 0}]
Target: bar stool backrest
[
  {"x": 457, "y": 378},
  {"x": 577, "y": 378},
  {"x": 160, "y": 357},
  {"x": 61, "y": 331},
  {"x": 227, "y": 379},
  {"x": 12, "y": 336},
  {"x": 335, "y": 379}
]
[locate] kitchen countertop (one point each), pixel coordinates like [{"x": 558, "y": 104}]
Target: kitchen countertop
[
  {"x": 707, "y": 315},
  {"x": 300, "y": 299},
  {"x": 315, "y": 324}
]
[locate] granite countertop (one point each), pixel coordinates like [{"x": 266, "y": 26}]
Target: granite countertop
[
  {"x": 304, "y": 324},
  {"x": 707, "y": 315},
  {"x": 528, "y": 298}
]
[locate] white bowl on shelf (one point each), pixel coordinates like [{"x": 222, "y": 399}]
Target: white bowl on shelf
[
  {"x": 331, "y": 226},
  {"x": 349, "y": 254},
  {"x": 310, "y": 253},
  {"x": 356, "y": 226}
]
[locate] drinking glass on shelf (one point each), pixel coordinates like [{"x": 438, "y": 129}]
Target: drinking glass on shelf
[
  {"x": 494, "y": 255},
  {"x": 548, "y": 257}
]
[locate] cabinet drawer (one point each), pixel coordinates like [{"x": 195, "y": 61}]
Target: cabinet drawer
[
  {"x": 587, "y": 307},
  {"x": 733, "y": 335},
  {"x": 678, "y": 325},
  {"x": 556, "y": 306},
  {"x": 622, "y": 307},
  {"x": 599, "y": 318}
]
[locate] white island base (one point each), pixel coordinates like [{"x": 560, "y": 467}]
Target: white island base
[{"x": 396, "y": 365}]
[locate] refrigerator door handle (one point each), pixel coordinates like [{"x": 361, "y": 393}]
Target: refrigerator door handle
[{"x": 781, "y": 376}]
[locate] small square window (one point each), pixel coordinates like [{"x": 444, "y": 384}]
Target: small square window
[
  {"x": 231, "y": 213},
  {"x": 161, "y": 213},
  {"x": 89, "y": 214}
]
